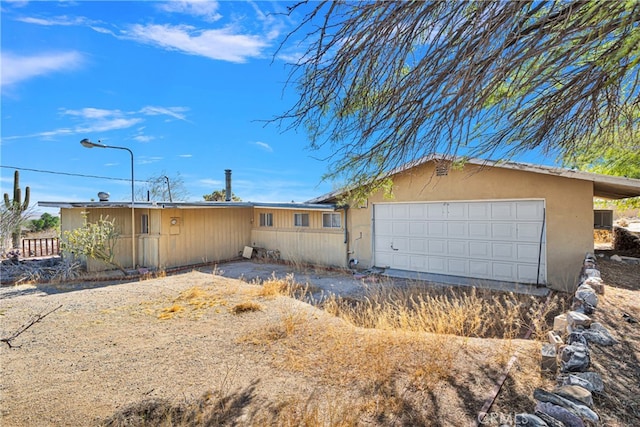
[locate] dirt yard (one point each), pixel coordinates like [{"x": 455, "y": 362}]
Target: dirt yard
[{"x": 201, "y": 349}]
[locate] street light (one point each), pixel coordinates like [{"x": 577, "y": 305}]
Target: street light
[{"x": 88, "y": 144}]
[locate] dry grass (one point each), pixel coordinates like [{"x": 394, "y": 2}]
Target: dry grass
[
  {"x": 602, "y": 236},
  {"x": 193, "y": 301},
  {"x": 287, "y": 286},
  {"x": 467, "y": 313},
  {"x": 245, "y": 307}
]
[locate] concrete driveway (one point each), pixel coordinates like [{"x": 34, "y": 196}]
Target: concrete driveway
[{"x": 345, "y": 284}]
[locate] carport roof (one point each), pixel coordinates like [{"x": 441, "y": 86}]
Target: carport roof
[
  {"x": 190, "y": 205},
  {"x": 605, "y": 186}
]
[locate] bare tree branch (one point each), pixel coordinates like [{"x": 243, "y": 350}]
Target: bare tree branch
[
  {"x": 384, "y": 83},
  {"x": 33, "y": 321}
]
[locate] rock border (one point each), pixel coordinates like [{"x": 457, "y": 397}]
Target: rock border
[{"x": 567, "y": 356}]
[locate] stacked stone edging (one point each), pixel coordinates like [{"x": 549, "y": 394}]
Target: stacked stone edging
[{"x": 570, "y": 403}]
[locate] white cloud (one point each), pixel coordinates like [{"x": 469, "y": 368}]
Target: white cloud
[
  {"x": 222, "y": 44},
  {"x": 144, "y": 138},
  {"x": 17, "y": 68},
  {"x": 205, "y": 9},
  {"x": 58, "y": 20},
  {"x": 264, "y": 146},
  {"x": 92, "y": 113},
  {"x": 185, "y": 156},
  {"x": 146, "y": 160},
  {"x": 209, "y": 183},
  {"x": 175, "y": 112}
]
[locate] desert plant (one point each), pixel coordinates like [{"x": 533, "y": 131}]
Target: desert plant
[
  {"x": 96, "y": 240},
  {"x": 16, "y": 208}
]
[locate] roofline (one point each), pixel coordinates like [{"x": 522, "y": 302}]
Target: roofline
[
  {"x": 604, "y": 185},
  {"x": 188, "y": 205}
]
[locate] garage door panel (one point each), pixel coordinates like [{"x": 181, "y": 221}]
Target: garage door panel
[
  {"x": 436, "y": 211},
  {"x": 479, "y": 211},
  {"x": 457, "y": 229},
  {"x": 528, "y": 252},
  {"x": 418, "y": 262},
  {"x": 503, "y": 231},
  {"x": 437, "y": 264},
  {"x": 529, "y": 232},
  {"x": 502, "y": 210},
  {"x": 400, "y": 211},
  {"x": 436, "y": 229},
  {"x": 497, "y": 240},
  {"x": 479, "y": 268},
  {"x": 400, "y": 229},
  {"x": 417, "y": 211},
  {"x": 503, "y": 251},
  {"x": 436, "y": 246},
  {"x": 456, "y": 211},
  {"x": 479, "y": 250},
  {"x": 458, "y": 267},
  {"x": 457, "y": 248},
  {"x": 503, "y": 271},
  {"x": 417, "y": 245},
  {"x": 527, "y": 273},
  {"x": 529, "y": 210},
  {"x": 418, "y": 228},
  {"x": 479, "y": 230}
]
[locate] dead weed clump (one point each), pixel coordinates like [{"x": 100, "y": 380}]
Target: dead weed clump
[
  {"x": 275, "y": 286},
  {"x": 192, "y": 301},
  {"x": 245, "y": 307}
]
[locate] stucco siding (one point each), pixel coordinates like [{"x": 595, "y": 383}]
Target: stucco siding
[{"x": 569, "y": 210}]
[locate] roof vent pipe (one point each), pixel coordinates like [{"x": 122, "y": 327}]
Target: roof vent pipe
[{"x": 227, "y": 191}]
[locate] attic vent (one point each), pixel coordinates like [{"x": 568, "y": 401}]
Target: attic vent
[{"x": 442, "y": 168}]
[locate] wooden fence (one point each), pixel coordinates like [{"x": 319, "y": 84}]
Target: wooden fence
[{"x": 40, "y": 247}]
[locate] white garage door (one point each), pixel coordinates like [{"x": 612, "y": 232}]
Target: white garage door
[{"x": 497, "y": 240}]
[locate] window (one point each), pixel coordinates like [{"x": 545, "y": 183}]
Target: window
[
  {"x": 331, "y": 220},
  {"x": 144, "y": 224},
  {"x": 266, "y": 220},
  {"x": 603, "y": 219},
  {"x": 301, "y": 219}
]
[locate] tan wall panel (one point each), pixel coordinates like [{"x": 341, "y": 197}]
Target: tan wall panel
[
  {"x": 324, "y": 247},
  {"x": 569, "y": 209},
  {"x": 203, "y": 235},
  {"x": 72, "y": 218}
]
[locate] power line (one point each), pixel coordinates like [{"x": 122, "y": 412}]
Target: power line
[{"x": 70, "y": 174}]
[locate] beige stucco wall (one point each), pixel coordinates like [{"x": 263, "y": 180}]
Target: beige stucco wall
[
  {"x": 309, "y": 245},
  {"x": 569, "y": 210}
]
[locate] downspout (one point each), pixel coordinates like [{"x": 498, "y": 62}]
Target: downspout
[{"x": 346, "y": 234}]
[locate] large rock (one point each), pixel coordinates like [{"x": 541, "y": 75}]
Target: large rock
[
  {"x": 577, "y": 336},
  {"x": 587, "y": 296},
  {"x": 575, "y": 319},
  {"x": 583, "y": 411},
  {"x": 592, "y": 378},
  {"x": 576, "y": 394},
  {"x": 529, "y": 420},
  {"x": 595, "y": 283},
  {"x": 551, "y": 422},
  {"x": 574, "y": 358},
  {"x": 589, "y": 380},
  {"x": 563, "y": 415},
  {"x": 591, "y": 272},
  {"x": 598, "y": 334},
  {"x": 549, "y": 360}
]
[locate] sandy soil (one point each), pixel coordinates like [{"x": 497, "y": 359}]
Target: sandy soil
[{"x": 112, "y": 347}]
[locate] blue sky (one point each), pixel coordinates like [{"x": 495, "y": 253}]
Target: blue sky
[{"x": 183, "y": 84}]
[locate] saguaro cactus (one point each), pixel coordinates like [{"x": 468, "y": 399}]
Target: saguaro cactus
[{"x": 16, "y": 206}]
